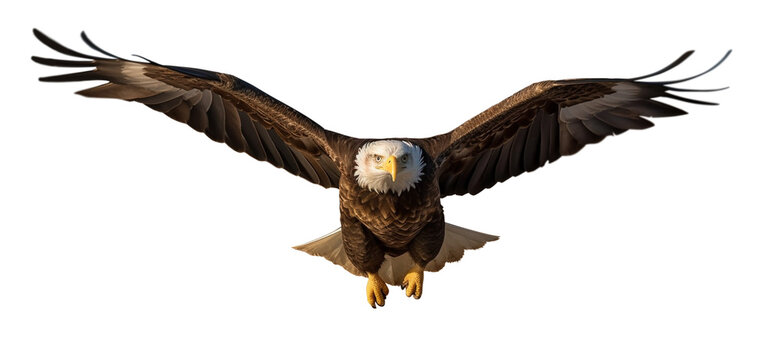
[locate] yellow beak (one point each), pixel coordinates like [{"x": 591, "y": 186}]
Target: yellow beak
[{"x": 390, "y": 166}]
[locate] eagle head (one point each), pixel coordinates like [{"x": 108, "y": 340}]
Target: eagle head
[{"x": 389, "y": 165}]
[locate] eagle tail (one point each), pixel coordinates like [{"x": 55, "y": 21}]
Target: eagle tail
[{"x": 457, "y": 239}]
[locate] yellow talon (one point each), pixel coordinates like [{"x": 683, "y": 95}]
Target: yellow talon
[
  {"x": 376, "y": 290},
  {"x": 413, "y": 282}
]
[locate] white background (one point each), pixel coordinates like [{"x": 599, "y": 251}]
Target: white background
[{"x": 126, "y": 235}]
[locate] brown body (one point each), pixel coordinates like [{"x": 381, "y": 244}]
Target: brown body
[{"x": 375, "y": 224}]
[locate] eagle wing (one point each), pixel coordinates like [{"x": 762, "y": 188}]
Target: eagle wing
[
  {"x": 224, "y": 107},
  {"x": 546, "y": 120}
]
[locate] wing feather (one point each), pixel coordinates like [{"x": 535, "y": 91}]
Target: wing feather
[
  {"x": 216, "y": 115},
  {"x": 199, "y": 119},
  {"x": 162, "y": 107},
  {"x": 545, "y": 146},
  {"x": 598, "y": 127},
  {"x": 624, "y": 119},
  {"x": 475, "y": 180},
  {"x": 234, "y": 139},
  {"x": 546, "y": 120},
  {"x": 150, "y": 100},
  {"x": 225, "y": 108},
  {"x": 254, "y": 147},
  {"x": 581, "y": 134},
  {"x": 516, "y": 156},
  {"x": 531, "y": 149},
  {"x": 503, "y": 165}
]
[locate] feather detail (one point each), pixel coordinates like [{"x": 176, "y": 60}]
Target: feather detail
[
  {"x": 549, "y": 119},
  {"x": 393, "y": 269},
  {"x": 224, "y": 107}
]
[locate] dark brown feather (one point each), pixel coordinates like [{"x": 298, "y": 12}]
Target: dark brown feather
[
  {"x": 306, "y": 170},
  {"x": 57, "y": 47},
  {"x": 225, "y": 108},
  {"x": 216, "y": 115},
  {"x": 546, "y": 120},
  {"x": 180, "y": 113},
  {"x": 199, "y": 120},
  {"x": 62, "y": 63},
  {"x": 233, "y": 137},
  {"x": 599, "y": 128},
  {"x": 581, "y": 134},
  {"x": 623, "y": 119},
  {"x": 254, "y": 146},
  {"x": 517, "y": 147},
  {"x": 475, "y": 181},
  {"x": 531, "y": 149}
]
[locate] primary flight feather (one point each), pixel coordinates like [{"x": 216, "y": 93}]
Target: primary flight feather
[{"x": 392, "y": 224}]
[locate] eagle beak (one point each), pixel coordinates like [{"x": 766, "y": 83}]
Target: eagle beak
[{"x": 390, "y": 166}]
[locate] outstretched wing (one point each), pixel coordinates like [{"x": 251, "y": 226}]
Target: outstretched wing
[
  {"x": 546, "y": 120},
  {"x": 224, "y": 107}
]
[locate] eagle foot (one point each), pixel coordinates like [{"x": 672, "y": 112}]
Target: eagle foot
[
  {"x": 376, "y": 290},
  {"x": 413, "y": 282}
]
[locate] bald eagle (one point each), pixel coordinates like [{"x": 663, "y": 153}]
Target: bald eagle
[{"x": 392, "y": 224}]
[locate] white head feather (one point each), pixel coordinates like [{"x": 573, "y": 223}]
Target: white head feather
[{"x": 370, "y": 176}]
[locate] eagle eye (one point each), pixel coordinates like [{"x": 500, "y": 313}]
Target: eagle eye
[
  {"x": 404, "y": 158},
  {"x": 377, "y": 158}
]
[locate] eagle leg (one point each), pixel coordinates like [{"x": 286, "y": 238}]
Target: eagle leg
[
  {"x": 376, "y": 290},
  {"x": 413, "y": 282}
]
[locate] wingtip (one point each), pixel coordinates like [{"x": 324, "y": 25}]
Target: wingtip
[
  {"x": 700, "y": 74},
  {"x": 726, "y": 55},
  {"x": 83, "y": 92},
  {"x": 670, "y": 88},
  {"x": 688, "y": 100},
  {"x": 39, "y": 34},
  {"x": 97, "y": 48},
  {"x": 147, "y": 60},
  {"x": 672, "y": 65}
]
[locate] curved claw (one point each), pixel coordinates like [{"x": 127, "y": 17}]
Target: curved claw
[
  {"x": 376, "y": 290},
  {"x": 413, "y": 282}
]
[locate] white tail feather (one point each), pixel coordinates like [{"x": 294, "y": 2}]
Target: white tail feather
[{"x": 393, "y": 269}]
